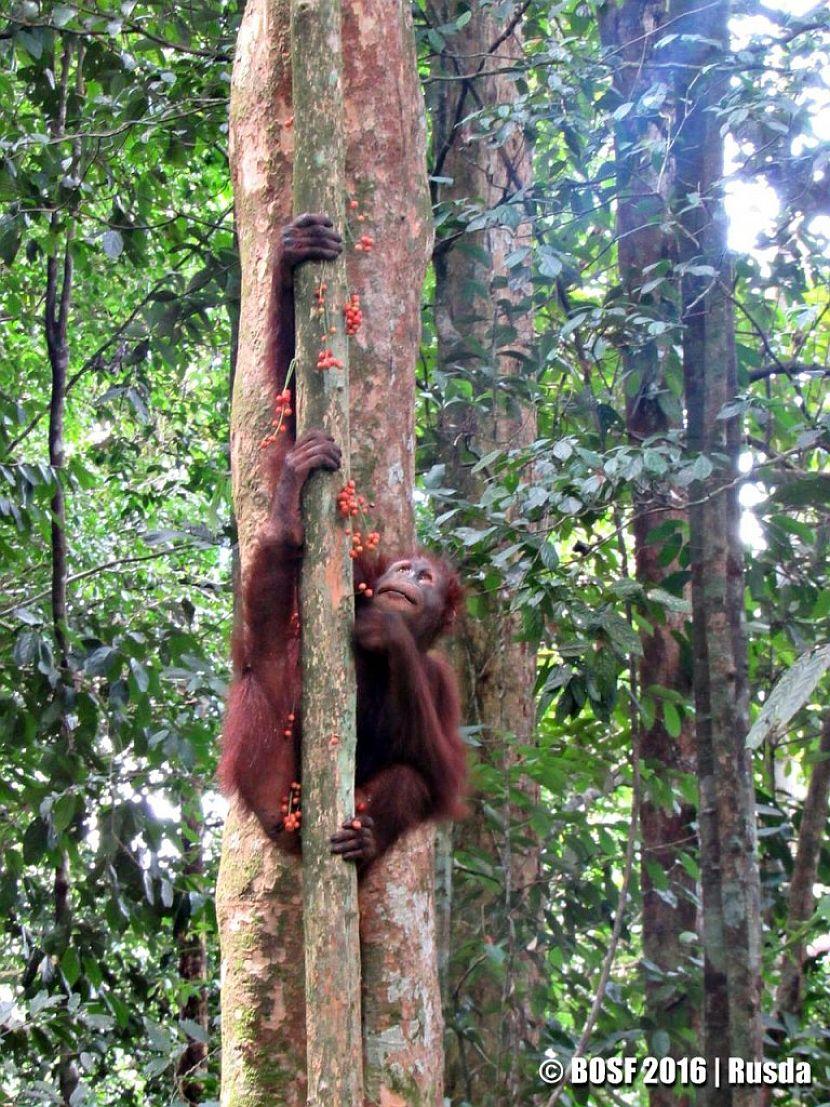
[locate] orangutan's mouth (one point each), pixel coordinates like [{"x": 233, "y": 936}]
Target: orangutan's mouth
[{"x": 391, "y": 590}]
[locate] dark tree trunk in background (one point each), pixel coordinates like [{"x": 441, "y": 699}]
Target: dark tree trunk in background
[
  {"x": 789, "y": 995},
  {"x": 193, "y": 968},
  {"x": 730, "y": 885},
  {"x": 59, "y": 275},
  {"x": 789, "y": 998},
  {"x": 478, "y": 317},
  {"x": 645, "y": 248}
]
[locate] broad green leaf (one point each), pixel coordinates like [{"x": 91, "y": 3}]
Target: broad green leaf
[{"x": 790, "y": 694}]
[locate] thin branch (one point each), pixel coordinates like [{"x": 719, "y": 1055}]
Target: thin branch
[
  {"x": 467, "y": 86},
  {"x": 790, "y": 369},
  {"x": 104, "y": 567},
  {"x": 93, "y": 361}
]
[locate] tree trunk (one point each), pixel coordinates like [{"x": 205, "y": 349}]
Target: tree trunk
[
  {"x": 789, "y": 997},
  {"x": 644, "y": 187},
  {"x": 731, "y": 932},
  {"x": 482, "y": 308},
  {"x": 334, "y": 1063},
  {"x": 58, "y": 300},
  {"x": 193, "y": 969},
  {"x": 259, "y": 892}
]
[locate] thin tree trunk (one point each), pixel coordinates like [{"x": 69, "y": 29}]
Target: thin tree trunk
[
  {"x": 258, "y": 896},
  {"x": 481, "y": 305},
  {"x": 730, "y": 885},
  {"x": 193, "y": 969},
  {"x": 332, "y": 953},
  {"x": 56, "y": 317},
  {"x": 644, "y": 186},
  {"x": 789, "y": 997}
]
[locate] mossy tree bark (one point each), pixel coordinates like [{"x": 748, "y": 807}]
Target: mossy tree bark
[
  {"x": 483, "y": 322},
  {"x": 259, "y": 894},
  {"x": 789, "y": 996},
  {"x": 332, "y": 956},
  {"x": 646, "y": 250},
  {"x": 726, "y": 819}
]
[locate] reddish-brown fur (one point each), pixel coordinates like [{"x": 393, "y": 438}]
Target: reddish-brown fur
[{"x": 410, "y": 758}]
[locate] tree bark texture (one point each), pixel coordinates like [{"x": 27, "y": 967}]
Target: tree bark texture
[
  {"x": 193, "y": 972},
  {"x": 259, "y": 892},
  {"x": 58, "y": 300},
  {"x": 730, "y": 885},
  {"x": 479, "y": 315},
  {"x": 334, "y": 1063},
  {"x": 789, "y": 997},
  {"x": 629, "y": 31}
]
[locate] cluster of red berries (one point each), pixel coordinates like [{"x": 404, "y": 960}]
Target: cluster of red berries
[
  {"x": 348, "y": 501},
  {"x": 327, "y": 360},
  {"x": 353, "y": 314},
  {"x": 282, "y": 410},
  {"x": 349, "y": 505},
  {"x": 364, "y": 589},
  {"x": 289, "y": 724},
  {"x": 290, "y": 808},
  {"x": 364, "y": 244},
  {"x": 320, "y": 294},
  {"x": 361, "y": 542}
]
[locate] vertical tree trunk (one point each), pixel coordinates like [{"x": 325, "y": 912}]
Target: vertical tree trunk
[
  {"x": 644, "y": 186},
  {"x": 59, "y": 275},
  {"x": 481, "y": 305},
  {"x": 259, "y": 893},
  {"x": 332, "y": 954},
  {"x": 193, "y": 970},
  {"x": 732, "y": 1024},
  {"x": 258, "y": 896},
  {"x": 789, "y": 997},
  {"x": 386, "y": 169}
]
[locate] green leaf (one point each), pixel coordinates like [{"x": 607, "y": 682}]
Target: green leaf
[
  {"x": 63, "y": 811},
  {"x": 624, "y": 639},
  {"x": 701, "y": 468},
  {"x": 62, "y": 14},
  {"x": 550, "y": 265},
  {"x": 550, "y": 558},
  {"x": 789, "y": 695},
  {"x": 660, "y": 1043},
  {"x": 34, "y": 841},
  {"x": 71, "y": 965},
  {"x": 671, "y": 719},
  {"x": 32, "y": 42},
  {"x": 99, "y": 662},
  {"x": 140, "y": 675},
  {"x": 193, "y": 1030},
  {"x": 113, "y": 244},
  {"x": 804, "y": 491}
]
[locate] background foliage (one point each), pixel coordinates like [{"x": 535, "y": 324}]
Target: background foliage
[{"x": 108, "y": 774}]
